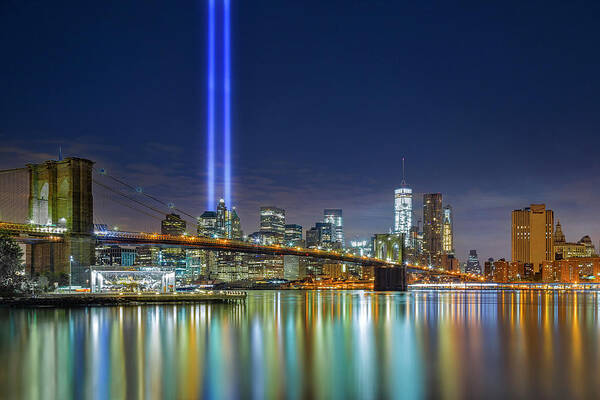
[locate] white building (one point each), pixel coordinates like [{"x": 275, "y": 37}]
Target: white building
[{"x": 403, "y": 212}]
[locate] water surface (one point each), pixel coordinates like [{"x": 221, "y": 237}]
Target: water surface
[{"x": 314, "y": 344}]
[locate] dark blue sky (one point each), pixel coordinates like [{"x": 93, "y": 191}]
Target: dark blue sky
[{"x": 495, "y": 105}]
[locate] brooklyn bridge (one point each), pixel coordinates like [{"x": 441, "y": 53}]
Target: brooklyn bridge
[{"x": 49, "y": 209}]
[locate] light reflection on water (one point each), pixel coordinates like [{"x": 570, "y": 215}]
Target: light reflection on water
[{"x": 295, "y": 344}]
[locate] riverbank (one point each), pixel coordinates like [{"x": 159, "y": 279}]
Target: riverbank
[{"x": 115, "y": 299}]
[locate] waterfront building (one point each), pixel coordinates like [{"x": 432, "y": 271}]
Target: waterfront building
[
  {"x": 334, "y": 217},
  {"x": 548, "y": 271},
  {"x": 293, "y": 235},
  {"x": 488, "y": 269},
  {"x": 293, "y": 268},
  {"x": 450, "y": 262},
  {"x": 147, "y": 256},
  {"x": 572, "y": 270},
  {"x": 272, "y": 223},
  {"x": 173, "y": 224},
  {"x": 115, "y": 255},
  {"x": 432, "y": 228},
  {"x": 448, "y": 230},
  {"x": 532, "y": 239},
  {"x": 473, "y": 266},
  {"x": 335, "y": 271},
  {"x": 501, "y": 271},
  {"x": 172, "y": 257},
  {"x": 564, "y": 249}
]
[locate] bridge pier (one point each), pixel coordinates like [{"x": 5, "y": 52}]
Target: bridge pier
[
  {"x": 390, "y": 279},
  {"x": 61, "y": 195}
]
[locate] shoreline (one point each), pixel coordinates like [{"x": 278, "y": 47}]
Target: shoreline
[{"x": 116, "y": 299}]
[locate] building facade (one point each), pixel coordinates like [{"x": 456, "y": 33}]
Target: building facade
[
  {"x": 334, "y": 217},
  {"x": 532, "y": 239},
  {"x": 293, "y": 235},
  {"x": 473, "y": 266},
  {"x": 320, "y": 235},
  {"x": 563, "y": 249},
  {"x": 272, "y": 222},
  {"x": 223, "y": 223},
  {"x": 173, "y": 224},
  {"x": 403, "y": 212},
  {"x": 448, "y": 231},
  {"x": 432, "y": 228}
]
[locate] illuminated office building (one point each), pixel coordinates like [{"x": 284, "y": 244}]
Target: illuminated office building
[
  {"x": 272, "y": 223},
  {"x": 564, "y": 249},
  {"x": 207, "y": 224},
  {"x": 403, "y": 212},
  {"x": 333, "y": 216},
  {"x": 223, "y": 223},
  {"x": 432, "y": 228},
  {"x": 293, "y": 235},
  {"x": 532, "y": 239},
  {"x": 173, "y": 224},
  {"x": 319, "y": 235},
  {"x": 473, "y": 266},
  {"x": 448, "y": 231},
  {"x": 361, "y": 248}
]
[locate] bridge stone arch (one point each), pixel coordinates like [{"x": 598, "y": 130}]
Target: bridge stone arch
[
  {"x": 389, "y": 246},
  {"x": 60, "y": 193}
]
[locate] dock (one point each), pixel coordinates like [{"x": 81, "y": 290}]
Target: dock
[{"x": 118, "y": 299}]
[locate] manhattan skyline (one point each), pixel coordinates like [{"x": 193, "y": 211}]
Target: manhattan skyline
[{"x": 345, "y": 92}]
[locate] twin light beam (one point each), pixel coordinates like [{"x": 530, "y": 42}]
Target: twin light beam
[{"x": 213, "y": 91}]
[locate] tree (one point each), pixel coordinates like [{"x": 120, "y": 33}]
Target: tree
[{"x": 12, "y": 277}]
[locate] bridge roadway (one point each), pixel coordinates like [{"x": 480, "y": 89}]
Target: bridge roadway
[
  {"x": 29, "y": 233},
  {"x": 32, "y": 233},
  {"x": 140, "y": 238}
]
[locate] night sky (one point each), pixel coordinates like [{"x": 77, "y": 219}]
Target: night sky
[{"x": 494, "y": 105}]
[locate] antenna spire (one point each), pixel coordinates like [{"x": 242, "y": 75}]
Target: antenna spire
[{"x": 403, "y": 176}]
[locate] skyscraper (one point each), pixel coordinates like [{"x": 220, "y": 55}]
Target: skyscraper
[
  {"x": 207, "y": 224},
  {"x": 223, "y": 223},
  {"x": 403, "y": 209},
  {"x": 272, "y": 223},
  {"x": 432, "y": 227},
  {"x": 293, "y": 235},
  {"x": 333, "y": 216},
  {"x": 319, "y": 235},
  {"x": 473, "y": 266},
  {"x": 173, "y": 224},
  {"x": 532, "y": 239},
  {"x": 448, "y": 231}
]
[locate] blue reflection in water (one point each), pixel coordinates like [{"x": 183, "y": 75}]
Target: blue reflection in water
[{"x": 323, "y": 344}]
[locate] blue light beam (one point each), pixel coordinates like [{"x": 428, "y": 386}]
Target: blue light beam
[
  {"x": 227, "y": 101},
  {"x": 210, "y": 167}
]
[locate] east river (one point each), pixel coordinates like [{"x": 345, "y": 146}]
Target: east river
[{"x": 310, "y": 344}]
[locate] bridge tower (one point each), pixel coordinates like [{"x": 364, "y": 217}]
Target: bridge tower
[
  {"x": 390, "y": 247},
  {"x": 60, "y": 193}
]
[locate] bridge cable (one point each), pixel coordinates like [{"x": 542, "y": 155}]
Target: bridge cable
[
  {"x": 134, "y": 208},
  {"x": 128, "y": 197},
  {"x": 149, "y": 196}
]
